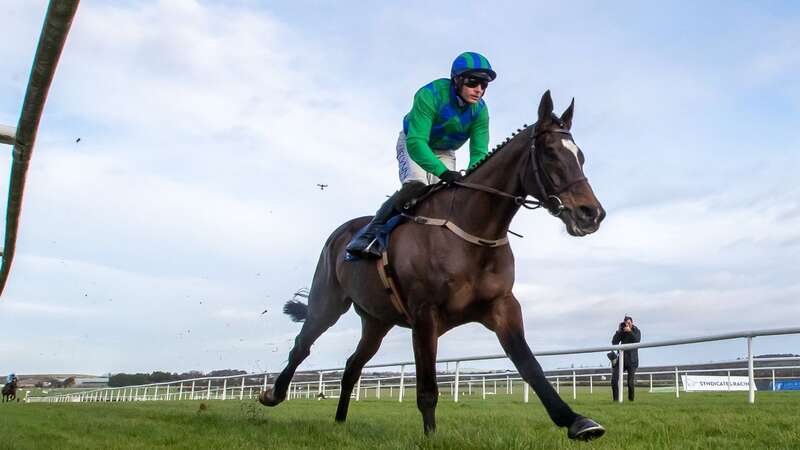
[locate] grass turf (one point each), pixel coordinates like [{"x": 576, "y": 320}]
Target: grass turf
[{"x": 695, "y": 421}]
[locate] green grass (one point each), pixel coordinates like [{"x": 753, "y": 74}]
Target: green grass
[{"x": 695, "y": 421}]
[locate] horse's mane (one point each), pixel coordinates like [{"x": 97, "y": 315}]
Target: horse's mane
[
  {"x": 496, "y": 150},
  {"x": 503, "y": 144}
]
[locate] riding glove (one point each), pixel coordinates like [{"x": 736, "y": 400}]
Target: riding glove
[{"x": 450, "y": 176}]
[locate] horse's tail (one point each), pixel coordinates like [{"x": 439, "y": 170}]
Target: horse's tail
[{"x": 296, "y": 309}]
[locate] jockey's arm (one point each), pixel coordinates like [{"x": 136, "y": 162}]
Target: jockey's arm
[
  {"x": 479, "y": 138},
  {"x": 420, "y": 121}
]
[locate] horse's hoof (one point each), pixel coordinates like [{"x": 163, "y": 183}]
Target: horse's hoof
[
  {"x": 267, "y": 398},
  {"x": 585, "y": 429}
]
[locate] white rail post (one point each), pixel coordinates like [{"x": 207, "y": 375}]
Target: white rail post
[
  {"x": 224, "y": 388},
  {"x": 751, "y": 395},
  {"x": 241, "y": 390},
  {"x": 620, "y": 373},
  {"x": 507, "y": 380},
  {"x": 469, "y": 386},
  {"x": 558, "y": 385},
  {"x": 729, "y": 380},
  {"x": 677, "y": 385},
  {"x": 591, "y": 387},
  {"x": 574, "y": 386},
  {"x": 378, "y": 390},
  {"x": 136, "y": 395},
  {"x": 525, "y": 389},
  {"x": 458, "y": 374},
  {"x": 402, "y": 383},
  {"x": 320, "y": 382},
  {"x": 358, "y": 389},
  {"x": 483, "y": 388},
  {"x": 208, "y": 391},
  {"x": 145, "y": 393},
  {"x": 773, "y": 379},
  {"x": 495, "y": 386},
  {"x": 511, "y": 388},
  {"x": 266, "y": 375},
  {"x": 651, "y": 382},
  {"x": 192, "y": 394}
]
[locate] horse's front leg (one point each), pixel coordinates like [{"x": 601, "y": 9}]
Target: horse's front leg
[
  {"x": 505, "y": 319},
  {"x": 425, "y": 335}
]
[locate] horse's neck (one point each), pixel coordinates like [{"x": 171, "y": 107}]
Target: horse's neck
[{"x": 480, "y": 213}]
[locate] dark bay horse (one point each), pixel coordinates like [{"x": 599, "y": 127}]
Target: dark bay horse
[
  {"x": 10, "y": 391},
  {"x": 446, "y": 281}
]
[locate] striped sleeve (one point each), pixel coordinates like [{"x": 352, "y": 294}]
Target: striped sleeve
[{"x": 479, "y": 137}]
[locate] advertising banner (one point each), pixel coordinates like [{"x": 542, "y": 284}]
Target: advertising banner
[
  {"x": 787, "y": 385},
  {"x": 692, "y": 383}
]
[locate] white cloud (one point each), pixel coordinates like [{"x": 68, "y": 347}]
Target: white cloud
[{"x": 190, "y": 204}]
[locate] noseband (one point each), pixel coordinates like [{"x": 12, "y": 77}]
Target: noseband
[{"x": 552, "y": 202}]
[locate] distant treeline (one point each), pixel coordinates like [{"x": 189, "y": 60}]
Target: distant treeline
[{"x": 132, "y": 379}]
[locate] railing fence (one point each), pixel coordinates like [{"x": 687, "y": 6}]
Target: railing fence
[{"x": 454, "y": 384}]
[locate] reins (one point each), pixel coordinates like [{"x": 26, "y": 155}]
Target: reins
[
  {"x": 552, "y": 202},
  {"x": 518, "y": 199}
]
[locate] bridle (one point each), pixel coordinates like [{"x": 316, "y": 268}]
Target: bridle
[{"x": 551, "y": 201}]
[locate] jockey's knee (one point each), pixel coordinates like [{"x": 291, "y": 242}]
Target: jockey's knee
[{"x": 410, "y": 191}]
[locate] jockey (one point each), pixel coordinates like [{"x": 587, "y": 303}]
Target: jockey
[
  {"x": 445, "y": 114},
  {"x": 10, "y": 378}
]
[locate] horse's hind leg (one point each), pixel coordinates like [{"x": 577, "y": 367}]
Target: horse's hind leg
[
  {"x": 505, "y": 319},
  {"x": 322, "y": 315},
  {"x": 372, "y": 333}
]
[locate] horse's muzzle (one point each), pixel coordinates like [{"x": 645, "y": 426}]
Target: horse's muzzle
[{"x": 585, "y": 220}]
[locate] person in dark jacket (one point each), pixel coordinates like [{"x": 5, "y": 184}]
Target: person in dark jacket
[{"x": 627, "y": 333}]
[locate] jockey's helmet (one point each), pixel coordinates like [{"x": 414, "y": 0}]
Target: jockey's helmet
[{"x": 472, "y": 64}]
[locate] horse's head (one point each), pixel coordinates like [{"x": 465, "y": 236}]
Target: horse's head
[{"x": 555, "y": 175}]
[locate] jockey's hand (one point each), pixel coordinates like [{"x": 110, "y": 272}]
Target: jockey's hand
[{"x": 450, "y": 176}]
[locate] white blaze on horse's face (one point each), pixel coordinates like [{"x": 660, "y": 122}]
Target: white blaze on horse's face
[{"x": 571, "y": 146}]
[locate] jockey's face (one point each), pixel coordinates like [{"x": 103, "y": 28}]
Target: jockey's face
[{"x": 472, "y": 92}]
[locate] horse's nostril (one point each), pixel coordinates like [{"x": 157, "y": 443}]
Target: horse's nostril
[{"x": 587, "y": 213}]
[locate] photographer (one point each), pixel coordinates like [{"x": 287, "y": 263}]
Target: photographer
[{"x": 627, "y": 333}]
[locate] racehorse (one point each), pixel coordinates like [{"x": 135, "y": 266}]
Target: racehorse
[
  {"x": 446, "y": 280},
  {"x": 10, "y": 391}
]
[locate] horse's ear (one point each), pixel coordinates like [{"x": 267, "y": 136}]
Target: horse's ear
[
  {"x": 567, "y": 116},
  {"x": 545, "y": 107}
]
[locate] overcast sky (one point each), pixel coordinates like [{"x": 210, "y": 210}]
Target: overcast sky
[{"x": 190, "y": 204}]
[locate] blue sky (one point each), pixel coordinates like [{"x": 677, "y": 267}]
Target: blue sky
[{"x": 190, "y": 204}]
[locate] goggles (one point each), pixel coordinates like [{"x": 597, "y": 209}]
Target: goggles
[{"x": 473, "y": 82}]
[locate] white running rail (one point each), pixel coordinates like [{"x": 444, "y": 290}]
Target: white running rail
[{"x": 248, "y": 385}]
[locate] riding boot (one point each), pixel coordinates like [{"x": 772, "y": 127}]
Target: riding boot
[{"x": 365, "y": 245}]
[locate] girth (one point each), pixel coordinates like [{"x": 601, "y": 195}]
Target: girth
[{"x": 386, "y": 273}]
